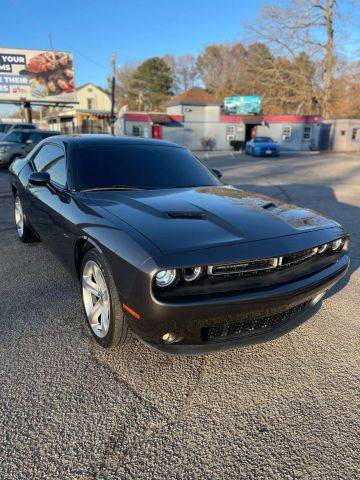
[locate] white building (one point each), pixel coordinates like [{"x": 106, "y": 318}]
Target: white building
[{"x": 195, "y": 117}]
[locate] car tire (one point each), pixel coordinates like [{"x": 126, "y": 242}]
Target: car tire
[
  {"x": 23, "y": 227},
  {"x": 102, "y": 306}
]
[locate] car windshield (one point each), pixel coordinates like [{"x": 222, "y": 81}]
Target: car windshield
[
  {"x": 4, "y": 127},
  {"x": 17, "y": 137},
  {"x": 263, "y": 140},
  {"x": 138, "y": 166}
]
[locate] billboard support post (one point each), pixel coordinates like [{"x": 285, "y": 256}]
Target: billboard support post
[{"x": 28, "y": 112}]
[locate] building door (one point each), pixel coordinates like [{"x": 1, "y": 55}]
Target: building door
[
  {"x": 157, "y": 131},
  {"x": 250, "y": 131}
]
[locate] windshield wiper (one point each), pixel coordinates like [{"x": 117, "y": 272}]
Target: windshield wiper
[{"x": 114, "y": 187}]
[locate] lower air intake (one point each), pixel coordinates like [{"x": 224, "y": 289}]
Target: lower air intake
[{"x": 248, "y": 326}]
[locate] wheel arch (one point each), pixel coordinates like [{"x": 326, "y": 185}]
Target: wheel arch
[{"x": 82, "y": 246}]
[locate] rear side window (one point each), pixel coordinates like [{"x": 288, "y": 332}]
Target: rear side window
[{"x": 51, "y": 159}]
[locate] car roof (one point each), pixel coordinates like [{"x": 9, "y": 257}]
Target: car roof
[
  {"x": 91, "y": 139},
  {"x": 34, "y": 130}
]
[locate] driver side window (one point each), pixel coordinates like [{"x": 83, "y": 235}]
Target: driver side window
[{"x": 51, "y": 159}]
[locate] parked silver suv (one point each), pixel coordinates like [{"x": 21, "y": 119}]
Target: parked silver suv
[
  {"x": 19, "y": 143},
  {"x": 6, "y": 128}
]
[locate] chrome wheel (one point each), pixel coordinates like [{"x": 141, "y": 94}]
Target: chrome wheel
[
  {"x": 19, "y": 217},
  {"x": 96, "y": 298}
]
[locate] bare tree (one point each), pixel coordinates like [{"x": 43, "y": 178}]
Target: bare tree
[
  {"x": 124, "y": 78},
  {"x": 304, "y": 26},
  {"x": 184, "y": 71}
]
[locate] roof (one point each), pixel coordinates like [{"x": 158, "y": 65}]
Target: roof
[
  {"x": 30, "y": 130},
  {"x": 91, "y": 139},
  {"x": 195, "y": 96},
  {"x": 95, "y": 86}
]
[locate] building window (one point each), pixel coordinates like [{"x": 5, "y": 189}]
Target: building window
[
  {"x": 307, "y": 133},
  {"x": 354, "y": 134},
  {"x": 137, "y": 131},
  {"x": 286, "y": 133},
  {"x": 90, "y": 103}
]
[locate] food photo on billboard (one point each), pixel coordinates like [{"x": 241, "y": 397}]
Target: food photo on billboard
[{"x": 44, "y": 76}]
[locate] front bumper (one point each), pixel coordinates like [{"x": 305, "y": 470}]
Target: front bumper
[
  {"x": 274, "y": 152},
  {"x": 290, "y": 304}
]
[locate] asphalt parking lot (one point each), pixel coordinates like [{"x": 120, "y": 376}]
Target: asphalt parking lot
[{"x": 288, "y": 409}]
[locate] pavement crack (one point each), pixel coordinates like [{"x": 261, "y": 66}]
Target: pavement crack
[{"x": 115, "y": 452}]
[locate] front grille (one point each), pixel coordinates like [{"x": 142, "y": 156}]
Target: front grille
[
  {"x": 242, "y": 267},
  {"x": 298, "y": 257},
  {"x": 259, "y": 267},
  {"x": 248, "y": 326}
]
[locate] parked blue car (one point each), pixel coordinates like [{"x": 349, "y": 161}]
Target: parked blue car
[{"x": 262, "y": 146}]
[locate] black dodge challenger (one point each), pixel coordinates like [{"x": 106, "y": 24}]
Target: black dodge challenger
[{"x": 164, "y": 249}]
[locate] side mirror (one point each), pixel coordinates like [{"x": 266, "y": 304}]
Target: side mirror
[
  {"x": 28, "y": 142},
  {"x": 217, "y": 172},
  {"x": 39, "y": 179}
]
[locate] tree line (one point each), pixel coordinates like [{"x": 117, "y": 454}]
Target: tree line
[{"x": 292, "y": 57}]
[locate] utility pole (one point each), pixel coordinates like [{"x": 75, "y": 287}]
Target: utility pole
[{"x": 113, "y": 62}]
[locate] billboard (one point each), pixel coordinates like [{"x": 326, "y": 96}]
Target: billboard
[
  {"x": 242, "y": 105},
  {"x": 40, "y": 76}
]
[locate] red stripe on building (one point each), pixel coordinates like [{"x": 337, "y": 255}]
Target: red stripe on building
[
  {"x": 230, "y": 118},
  {"x": 271, "y": 118},
  {"x": 291, "y": 119},
  {"x": 146, "y": 117},
  {"x": 137, "y": 117},
  {"x": 177, "y": 118}
]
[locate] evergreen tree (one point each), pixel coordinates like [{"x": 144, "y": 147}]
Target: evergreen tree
[{"x": 152, "y": 84}]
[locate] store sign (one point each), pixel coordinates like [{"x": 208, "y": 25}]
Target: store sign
[
  {"x": 41, "y": 76},
  {"x": 242, "y": 105}
]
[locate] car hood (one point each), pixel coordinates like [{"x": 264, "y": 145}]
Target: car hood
[{"x": 192, "y": 218}]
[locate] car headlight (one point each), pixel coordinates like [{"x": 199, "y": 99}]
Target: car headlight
[
  {"x": 338, "y": 244},
  {"x": 193, "y": 273},
  {"x": 322, "y": 249},
  {"x": 4, "y": 149},
  {"x": 165, "y": 278}
]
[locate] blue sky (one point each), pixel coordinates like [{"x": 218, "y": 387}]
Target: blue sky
[{"x": 134, "y": 29}]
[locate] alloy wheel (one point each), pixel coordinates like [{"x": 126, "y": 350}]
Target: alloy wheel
[
  {"x": 96, "y": 298},
  {"x": 19, "y": 217}
]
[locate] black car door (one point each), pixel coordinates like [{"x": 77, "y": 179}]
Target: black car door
[{"x": 52, "y": 206}]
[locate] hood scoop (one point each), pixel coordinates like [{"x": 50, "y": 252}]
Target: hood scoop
[
  {"x": 268, "y": 206},
  {"x": 188, "y": 215}
]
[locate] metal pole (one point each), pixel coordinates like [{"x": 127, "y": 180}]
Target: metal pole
[
  {"x": 113, "y": 61},
  {"x": 28, "y": 112}
]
